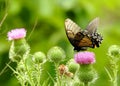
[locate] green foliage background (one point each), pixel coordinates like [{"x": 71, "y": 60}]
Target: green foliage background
[{"x": 49, "y": 16}]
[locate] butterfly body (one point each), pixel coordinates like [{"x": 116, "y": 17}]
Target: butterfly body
[{"x": 82, "y": 39}]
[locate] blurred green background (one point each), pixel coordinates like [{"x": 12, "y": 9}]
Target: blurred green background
[{"x": 48, "y": 18}]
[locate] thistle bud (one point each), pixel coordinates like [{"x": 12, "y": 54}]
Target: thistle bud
[
  {"x": 114, "y": 51},
  {"x": 56, "y": 54},
  {"x": 39, "y": 57},
  {"x": 72, "y": 66},
  {"x": 87, "y": 73}
]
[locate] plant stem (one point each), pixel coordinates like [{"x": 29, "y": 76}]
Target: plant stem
[
  {"x": 115, "y": 70},
  {"x": 4, "y": 69},
  {"x": 29, "y": 75},
  {"x": 86, "y": 84},
  {"x": 39, "y": 74},
  {"x": 57, "y": 75}
]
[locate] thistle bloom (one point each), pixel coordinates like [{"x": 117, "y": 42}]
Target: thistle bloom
[
  {"x": 85, "y": 58},
  {"x": 16, "y": 34}
]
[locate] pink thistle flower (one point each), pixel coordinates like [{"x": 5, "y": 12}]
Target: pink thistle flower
[
  {"x": 16, "y": 34},
  {"x": 85, "y": 57}
]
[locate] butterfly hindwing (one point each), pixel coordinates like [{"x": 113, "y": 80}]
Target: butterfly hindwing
[
  {"x": 82, "y": 42},
  {"x": 92, "y": 26},
  {"x": 85, "y": 42}
]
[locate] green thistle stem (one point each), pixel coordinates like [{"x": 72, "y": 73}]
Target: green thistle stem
[
  {"x": 21, "y": 82},
  {"x": 29, "y": 75},
  {"x": 115, "y": 70},
  {"x": 86, "y": 84},
  {"x": 39, "y": 74},
  {"x": 57, "y": 75},
  {"x": 87, "y": 74},
  {"x": 114, "y": 54}
]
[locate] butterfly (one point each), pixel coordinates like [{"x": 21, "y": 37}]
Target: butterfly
[{"x": 83, "y": 39}]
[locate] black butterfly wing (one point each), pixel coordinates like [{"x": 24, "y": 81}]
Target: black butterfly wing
[
  {"x": 92, "y": 26},
  {"x": 74, "y": 33}
]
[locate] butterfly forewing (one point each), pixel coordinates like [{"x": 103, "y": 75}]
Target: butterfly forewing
[
  {"x": 71, "y": 26},
  {"x": 92, "y": 26},
  {"x": 71, "y": 30}
]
